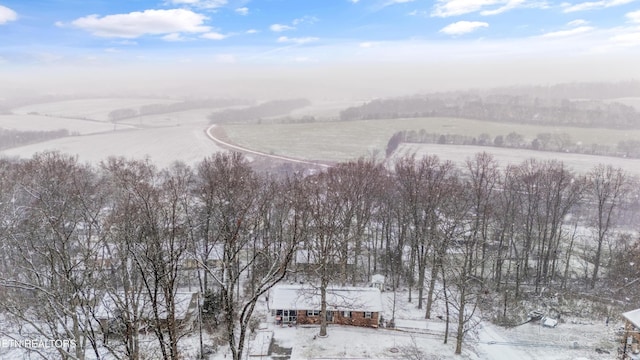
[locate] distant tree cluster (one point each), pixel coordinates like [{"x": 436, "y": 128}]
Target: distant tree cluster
[
  {"x": 560, "y": 142},
  {"x": 257, "y": 112},
  {"x": 12, "y": 138},
  {"x": 521, "y": 109},
  {"x": 192, "y": 104},
  {"x": 72, "y": 234},
  {"x": 306, "y": 119},
  {"x": 154, "y": 109},
  {"x": 575, "y": 90},
  {"x": 121, "y": 114}
]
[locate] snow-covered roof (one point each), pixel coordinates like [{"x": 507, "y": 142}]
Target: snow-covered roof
[
  {"x": 305, "y": 297},
  {"x": 304, "y": 256},
  {"x": 113, "y": 303},
  {"x": 633, "y": 316}
]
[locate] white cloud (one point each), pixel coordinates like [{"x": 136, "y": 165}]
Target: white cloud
[
  {"x": 571, "y": 32},
  {"x": 421, "y": 13},
  {"x": 305, "y": 20},
  {"x": 367, "y": 44},
  {"x": 126, "y": 42},
  {"x": 173, "y": 37},
  {"x": 242, "y": 11},
  {"x": 463, "y": 27},
  {"x": 354, "y": 1},
  {"x": 252, "y": 31},
  {"x": 280, "y": 27},
  {"x": 447, "y": 8},
  {"x": 592, "y": 5},
  {"x": 510, "y": 5},
  {"x": 7, "y": 15},
  {"x": 213, "y": 36},
  {"x": 299, "y": 41},
  {"x": 578, "y": 22},
  {"x": 391, "y": 2},
  {"x": 202, "y": 4},
  {"x": 148, "y": 22},
  {"x": 633, "y": 16}
]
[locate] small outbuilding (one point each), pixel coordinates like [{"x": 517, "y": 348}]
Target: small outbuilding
[
  {"x": 300, "y": 304},
  {"x": 631, "y": 337},
  {"x": 377, "y": 281}
]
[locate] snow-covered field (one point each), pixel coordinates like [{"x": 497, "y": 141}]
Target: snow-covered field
[
  {"x": 187, "y": 117},
  {"x": 163, "y": 145},
  {"x": 459, "y": 153},
  {"x": 95, "y": 109},
  {"x": 49, "y": 123}
]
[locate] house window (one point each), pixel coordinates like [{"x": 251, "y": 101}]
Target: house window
[
  {"x": 346, "y": 314},
  {"x": 367, "y": 314},
  {"x": 313, "y": 312}
]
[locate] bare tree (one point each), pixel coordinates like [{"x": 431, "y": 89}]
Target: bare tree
[
  {"x": 239, "y": 199},
  {"x": 423, "y": 187},
  {"x": 54, "y": 214},
  {"x": 607, "y": 187}
]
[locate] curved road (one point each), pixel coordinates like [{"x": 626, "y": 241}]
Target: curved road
[{"x": 209, "y": 132}]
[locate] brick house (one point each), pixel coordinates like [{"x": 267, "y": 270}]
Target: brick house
[{"x": 300, "y": 304}]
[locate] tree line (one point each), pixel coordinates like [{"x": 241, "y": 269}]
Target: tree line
[
  {"x": 559, "y": 142},
  {"x": 509, "y": 108},
  {"x": 257, "y": 112},
  {"x": 154, "y": 109},
  {"x": 12, "y": 138},
  {"x": 72, "y": 234}
]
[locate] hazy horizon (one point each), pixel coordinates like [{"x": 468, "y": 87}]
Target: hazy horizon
[{"x": 339, "y": 49}]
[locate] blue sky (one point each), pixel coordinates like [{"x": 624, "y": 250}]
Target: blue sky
[
  {"x": 317, "y": 48},
  {"x": 280, "y": 31}
]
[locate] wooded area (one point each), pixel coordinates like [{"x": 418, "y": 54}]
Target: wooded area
[
  {"x": 501, "y": 107},
  {"x": 71, "y": 233}
]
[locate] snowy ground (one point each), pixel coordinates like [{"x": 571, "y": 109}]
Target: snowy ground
[
  {"x": 571, "y": 339},
  {"x": 460, "y": 153},
  {"x": 49, "y": 123},
  {"x": 95, "y": 109},
  {"x": 162, "y": 145}
]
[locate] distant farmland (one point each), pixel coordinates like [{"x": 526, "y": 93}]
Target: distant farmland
[
  {"x": 336, "y": 141},
  {"x": 94, "y": 109}
]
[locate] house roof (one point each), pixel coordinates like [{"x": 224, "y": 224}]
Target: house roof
[
  {"x": 113, "y": 303},
  {"x": 304, "y": 256},
  {"x": 633, "y": 316},
  {"x": 305, "y": 297}
]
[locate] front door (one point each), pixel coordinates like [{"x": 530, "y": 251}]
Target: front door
[
  {"x": 329, "y": 316},
  {"x": 289, "y": 316}
]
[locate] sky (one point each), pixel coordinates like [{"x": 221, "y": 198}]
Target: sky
[{"x": 531, "y": 37}]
